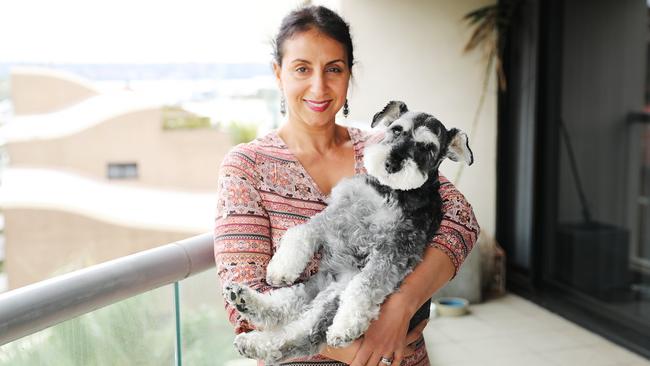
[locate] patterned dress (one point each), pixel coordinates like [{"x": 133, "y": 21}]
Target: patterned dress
[{"x": 263, "y": 190}]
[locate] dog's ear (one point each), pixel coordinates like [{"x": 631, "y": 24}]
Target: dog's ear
[
  {"x": 392, "y": 111},
  {"x": 458, "y": 148}
]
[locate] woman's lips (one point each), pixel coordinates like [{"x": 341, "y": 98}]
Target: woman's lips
[{"x": 317, "y": 106}]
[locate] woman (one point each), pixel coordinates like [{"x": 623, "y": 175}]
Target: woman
[{"x": 282, "y": 179}]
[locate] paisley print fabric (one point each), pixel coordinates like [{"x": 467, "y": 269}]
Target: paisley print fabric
[{"x": 263, "y": 190}]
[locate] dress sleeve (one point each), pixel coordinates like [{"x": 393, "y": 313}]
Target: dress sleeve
[
  {"x": 242, "y": 244},
  {"x": 459, "y": 229}
]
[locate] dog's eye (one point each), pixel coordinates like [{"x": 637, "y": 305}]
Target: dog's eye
[{"x": 396, "y": 131}]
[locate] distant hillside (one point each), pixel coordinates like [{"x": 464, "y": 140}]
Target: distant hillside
[{"x": 186, "y": 71}]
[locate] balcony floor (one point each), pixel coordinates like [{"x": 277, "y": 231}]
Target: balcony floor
[{"x": 514, "y": 331}]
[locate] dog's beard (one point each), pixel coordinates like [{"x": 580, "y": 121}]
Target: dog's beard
[{"x": 409, "y": 177}]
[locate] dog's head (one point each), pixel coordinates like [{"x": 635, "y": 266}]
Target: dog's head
[{"x": 413, "y": 147}]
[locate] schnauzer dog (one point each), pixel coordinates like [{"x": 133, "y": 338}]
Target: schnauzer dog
[{"x": 372, "y": 234}]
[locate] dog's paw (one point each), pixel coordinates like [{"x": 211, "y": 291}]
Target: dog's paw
[
  {"x": 341, "y": 332},
  {"x": 245, "y": 347},
  {"x": 238, "y": 296},
  {"x": 280, "y": 272},
  {"x": 252, "y": 345},
  {"x": 338, "y": 340}
]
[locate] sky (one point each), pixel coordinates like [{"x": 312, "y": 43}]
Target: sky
[{"x": 139, "y": 31}]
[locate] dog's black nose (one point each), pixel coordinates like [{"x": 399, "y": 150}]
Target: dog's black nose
[{"x": 391, "y": 167}]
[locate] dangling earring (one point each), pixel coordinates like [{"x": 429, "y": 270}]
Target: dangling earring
[
  {"x": 346, "y": 109},
  {"x": 283, "y": 107}
]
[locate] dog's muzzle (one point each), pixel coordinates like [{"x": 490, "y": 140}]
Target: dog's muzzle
[{"x": 402, "y": 175}]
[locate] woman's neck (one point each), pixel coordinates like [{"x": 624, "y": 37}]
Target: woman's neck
[{"x": 304, "y": 139}]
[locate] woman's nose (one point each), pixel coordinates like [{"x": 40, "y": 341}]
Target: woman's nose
[{"x": 318, "y": 83}]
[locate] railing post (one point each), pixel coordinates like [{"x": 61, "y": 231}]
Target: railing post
[{"x": 177, "y": 307}]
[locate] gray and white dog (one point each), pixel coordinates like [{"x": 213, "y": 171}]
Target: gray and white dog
[{"x": 372, "y": 234}]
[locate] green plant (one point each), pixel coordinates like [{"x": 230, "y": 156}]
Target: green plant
[
  {"x": 177, "y": 118},
  {"x": 207, "y": 336},
  {"x": 241, "y": 132},
  {"x": 136, "y": 331}
]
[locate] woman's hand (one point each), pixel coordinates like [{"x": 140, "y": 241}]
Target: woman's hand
[
  {"x": 387, "y": 335},
  {"x": 344, "y": 354},
  {"x": 347, "y": 354}
]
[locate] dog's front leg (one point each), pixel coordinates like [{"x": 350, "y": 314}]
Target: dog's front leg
[
  {"x": 297, "y": 246},
  {"x": 361, "y": 299}
]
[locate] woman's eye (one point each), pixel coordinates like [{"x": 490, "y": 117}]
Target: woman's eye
[
  {"x": 301, "y": 69},
  {"x": 334, "y": 69}
]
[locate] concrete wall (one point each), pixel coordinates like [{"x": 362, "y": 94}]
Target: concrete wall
[
  {"x": 37, "y": 90},
  {"x": 44, "y": 243},
  {"x": 413, "y": 51},
  {"x": 176, "y": 159}
]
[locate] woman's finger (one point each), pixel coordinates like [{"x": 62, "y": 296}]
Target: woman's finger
[
  {"x": 376, "y": 357},
  {"x": 399, "y": 355},
  {"x": 345, "y": 354},
  {"x": 362, "y": 356}
]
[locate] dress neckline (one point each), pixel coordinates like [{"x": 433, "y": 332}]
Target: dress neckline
[{"x": 354, "y": 138}]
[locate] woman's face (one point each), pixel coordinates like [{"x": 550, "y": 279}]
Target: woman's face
[{"x": 314, "y": 77}]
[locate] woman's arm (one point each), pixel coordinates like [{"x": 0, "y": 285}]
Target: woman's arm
[
  {"x": 442, "y": 259},
  {"x": 242, "y": 245}
]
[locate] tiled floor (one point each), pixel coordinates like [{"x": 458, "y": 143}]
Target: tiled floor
[{"x": 513, "y": 331}]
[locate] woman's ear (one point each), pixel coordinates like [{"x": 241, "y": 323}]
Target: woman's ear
[{"x": 277, "y": 69}]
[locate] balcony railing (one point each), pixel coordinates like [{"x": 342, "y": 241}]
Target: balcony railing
[{"x": 138, "y": 290}]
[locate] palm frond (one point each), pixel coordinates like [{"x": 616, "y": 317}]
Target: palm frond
[
  {"x": 488, "y": 24},
  {"x": 480, "y": 13},
  {"x": 483, "y": 32}
]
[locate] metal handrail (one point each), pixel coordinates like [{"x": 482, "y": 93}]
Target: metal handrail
[{"x": 32, "y": 308}]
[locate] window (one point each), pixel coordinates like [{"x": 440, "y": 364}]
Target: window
[{"x": 122, "y": 171}]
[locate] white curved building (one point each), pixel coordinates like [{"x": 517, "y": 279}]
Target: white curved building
[{"x": 96, "y": 175}]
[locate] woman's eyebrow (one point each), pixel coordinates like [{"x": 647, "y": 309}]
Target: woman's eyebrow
[
  {"x": 300, "y": 60},
  {"x": 307, "y": 62}
]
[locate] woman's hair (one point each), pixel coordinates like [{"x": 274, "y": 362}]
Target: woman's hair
[{"x": 317, "y": 17}]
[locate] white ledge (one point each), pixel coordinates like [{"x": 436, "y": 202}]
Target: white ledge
[
  {"x": 78, "y": 117},
  {"x": 115, "y": 203}
]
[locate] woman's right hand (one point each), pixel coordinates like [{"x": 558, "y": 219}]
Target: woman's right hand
[{"x": 346, "y": 354}]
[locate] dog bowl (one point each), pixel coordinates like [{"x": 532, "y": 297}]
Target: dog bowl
[{"x": 452, "y": 306}]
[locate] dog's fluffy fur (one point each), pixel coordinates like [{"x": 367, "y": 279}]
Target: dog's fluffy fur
[{"x": 373, "y": 233}]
